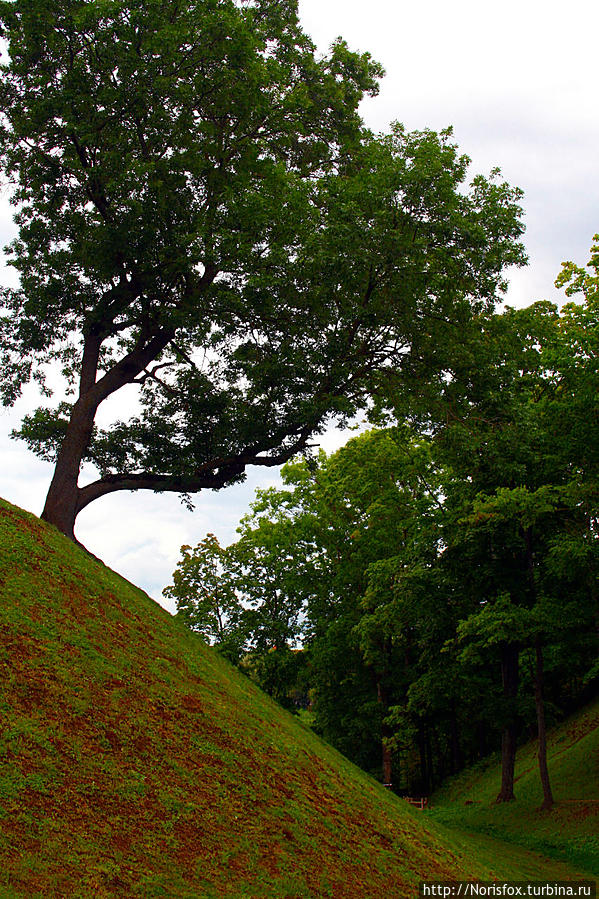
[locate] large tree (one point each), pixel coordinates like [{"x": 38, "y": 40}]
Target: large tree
[
  {"x": 205, "y": 227},
  {"x": 521, "y": 439}
]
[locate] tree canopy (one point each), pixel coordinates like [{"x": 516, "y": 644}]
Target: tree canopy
[
  {"x": 445, "y": 569},
  {"x": 206, "y": 226}
]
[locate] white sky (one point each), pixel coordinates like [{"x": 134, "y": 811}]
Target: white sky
[{"x": 517, "y": 80}]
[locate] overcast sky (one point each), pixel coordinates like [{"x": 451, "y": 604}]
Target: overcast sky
[{"x": 517, "y": 81}]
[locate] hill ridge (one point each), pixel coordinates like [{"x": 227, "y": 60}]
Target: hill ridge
[{"x": 137, "y": 762}]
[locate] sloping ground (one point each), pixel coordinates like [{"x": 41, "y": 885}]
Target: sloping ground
[
  {"x": 136, "y": 762},
  {"x": 570, "y": 831}
]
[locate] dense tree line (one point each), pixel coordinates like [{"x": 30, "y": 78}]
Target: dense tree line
[{"x": 440, "y": 573}]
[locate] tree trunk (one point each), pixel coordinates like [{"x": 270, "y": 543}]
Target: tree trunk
[
  {"x": 61, "y": 505},
  {"x": 454, "y": 736},
  {"x": 386, "y": 756},
  {"x": 482, "y": 734},
  {"x": 539, "y": 701},
  {"x": 423, "y": 757},
  {"x": 387, "y": 765},
  {"x": 542, "y": 730},
  {"x": 509, "y": 672},
  {"x": 64, "y": 499},
  {"x": 430, "y": 755}
]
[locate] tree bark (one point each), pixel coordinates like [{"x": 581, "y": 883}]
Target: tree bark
[
  {"x": 482, "y": 734},
  {"x": 429, "y": 786},
  {"x": 65, "y": 499},
  {"x": 538, "y": 685},
  {"x": 387, "y": 765},
  {"x": 423, "y": 757},
  {"x": 454, "y": 735},
  {"x": 548, "y": 800},
  {"x": 211, "y": 475},
  {"x": 62, "y": 502},
  {"x": 386, "y": 755},
  {"x": 509, "y": 672}
]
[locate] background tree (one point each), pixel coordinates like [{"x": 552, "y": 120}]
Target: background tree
[
  {"x": 272, "y": 566},
  {"x": 205, "y": 226},
  {"x": 205, "y": 596},
  {"x": 450, "y": 580},
  {"x": 526, "y": 482},
  {"x": 248, "y": 599},
  {"x": 367, "y": 502}
]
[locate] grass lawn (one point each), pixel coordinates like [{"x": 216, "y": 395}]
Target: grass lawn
[{"x": 570, "y": 831}]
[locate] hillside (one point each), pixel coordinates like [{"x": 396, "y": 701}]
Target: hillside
[
  {"x": 570, "y": 831},
  {"x": 136, "y": 762}
]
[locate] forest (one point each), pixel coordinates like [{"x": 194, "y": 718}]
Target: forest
[
  {"x": 218, "y": 261},
  {"x": 429, "y": 591}
]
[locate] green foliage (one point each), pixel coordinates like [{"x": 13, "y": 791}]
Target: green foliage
[
  {"x": 581, "y": 280},
  {"x": 428, "y": 554},
  {"x": 246, "y": 599},
  {"x": 205, "y": 596},
  {"x": 209, "y": 221},
  {"x": 497, "y": 623},
  {"x": 281, "y": 673}
]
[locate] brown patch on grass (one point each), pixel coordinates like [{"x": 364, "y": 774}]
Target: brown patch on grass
[{"x": 137, "y": 763}]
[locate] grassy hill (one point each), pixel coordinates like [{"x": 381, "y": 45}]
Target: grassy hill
[
  {"x": 570, "y": 831},
  {"x": 136, "y": 762}
]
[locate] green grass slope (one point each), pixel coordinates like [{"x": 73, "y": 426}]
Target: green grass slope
[
  {"x": 136, "y": 762},
  {"x": 570, "y": 831}
]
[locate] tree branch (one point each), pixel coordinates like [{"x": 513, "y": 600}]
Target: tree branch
[
  {"x": 213, "y": 475},
  {"x": 153, "y": 339},
  {"x": 130, "y": 366},
  {"x": 152, "y": 374}
]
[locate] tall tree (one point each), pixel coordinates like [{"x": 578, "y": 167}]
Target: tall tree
[
  {"x": 206, "y": 230},
  {"x": 528, "y": 483},
  {"x": 204, "y": 592},
  {"x": 368, "y": 502}
]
